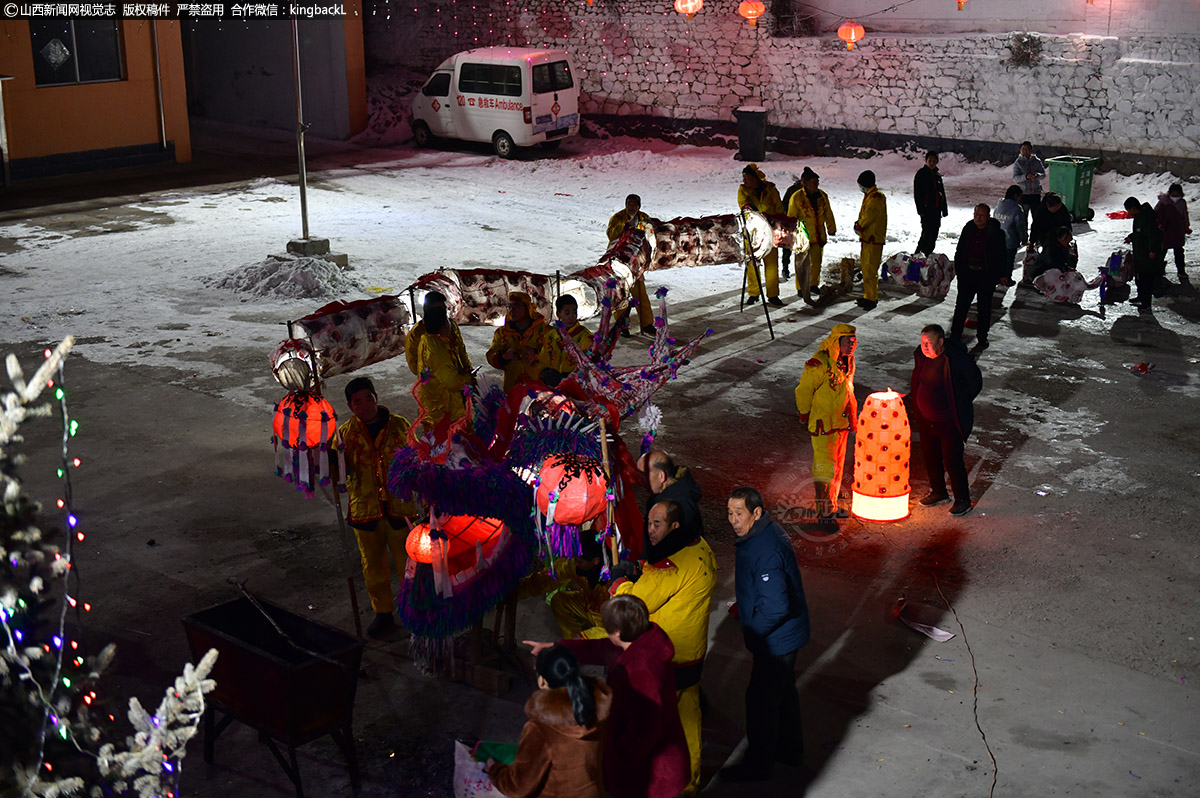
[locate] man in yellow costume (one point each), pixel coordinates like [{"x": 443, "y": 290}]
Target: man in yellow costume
[
  {"x": 677, "y": 590},
  {"x": 371, "y": 437},
  {"x": 436, "y": 355},
  {"x": 759, "y": 194},
  {"x": 518, "y": 347},
  {"x": 872, "y": 233},
  {"x": 633, "y": 218},
  {"x": 809, "y": 206},
  {"x": 828, "y": 410},
  {"x": 559, "y": 364}
]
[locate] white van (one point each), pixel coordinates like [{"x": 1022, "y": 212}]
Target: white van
[{"x": 511, "y": 96}]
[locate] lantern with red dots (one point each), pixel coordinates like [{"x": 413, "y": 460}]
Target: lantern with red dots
[{"x": 881, "y": 453}]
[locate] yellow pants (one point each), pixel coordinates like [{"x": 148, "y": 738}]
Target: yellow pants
[
  {"x": 373, "y": 545},
  {"x": 770, "y": 265},
  {"x": 816, "y": 253},
  {"x": 870, "y": 258},
  {"x": 645, "y": 310},
  {"x": 829, "y": 458},
  {"x": 578, "y": 612},
  {"x": 689, "y": 714}
]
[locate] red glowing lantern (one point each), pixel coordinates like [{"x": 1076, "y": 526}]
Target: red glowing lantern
[
  {"x": 881, "y": 452},
  {"x": 304, "y": 427},
  {"x": 962, "y": 4},
  {"x": 571, "y": 489},
  {"x": 850, "y": 32},
  {"x": 463, "y": 533},
  {"x": 752, "y": 10},
  {"x": 688, "y": 7}
]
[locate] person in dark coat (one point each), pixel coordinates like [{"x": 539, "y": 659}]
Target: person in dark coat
[
  {"x": 945, "y": 382},
  {"x": 669, "y": 482},
  {"x": 1147, "y": 250},
  {"x": 929, "y": 193},
  {"x": 979, "y": 264},
  {"x": 561, "y": 751},
  {"x": 646, "y": 753},
  {"x": 1050, "y": 215},
  {"x": 1057, "y": 254},
  {"x": 1172, "y": 213},
  {"x": 774, "y": 616}
]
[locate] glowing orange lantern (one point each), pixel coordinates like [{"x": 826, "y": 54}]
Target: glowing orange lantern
[
  {"x": 881, "y": 452},
  {"x": 752, "y": 10},
  {"x": 688, "y": 7},
  {"x": 571, "y": 489},
  {"x": 461, "y": 533},
  {"x": 850, "y": 32},
  {"x": 962, "y": 4},
  {"x": 304, "y": 420}
]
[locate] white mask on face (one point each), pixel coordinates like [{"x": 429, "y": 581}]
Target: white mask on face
[{"x": 864, "y": 189}]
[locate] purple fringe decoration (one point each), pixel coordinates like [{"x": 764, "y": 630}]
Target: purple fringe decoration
[
  {"x": 563, "y": 540},
  {"x": 530, "y": 446},
  {"x": 426, "y": 614},
  {"x": 490, "y": 490},
  {"x": 485, "y": 411}
]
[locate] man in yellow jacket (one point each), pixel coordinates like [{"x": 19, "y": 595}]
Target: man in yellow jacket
[
  {"x": 518, "y": 347},
  {"x": 559, "y": 364},
  {"x": 371, "y": 437},
  {"x": 759, "y": 194},
  {"x": 677, "y": 590},
  {"x": 436, "y": 355},
  {"x": 872, "y": 233},
  {"x": 633, "y": 218},
  {"x": 810, "y": 206},
  {"x": 828, "y": 410}
]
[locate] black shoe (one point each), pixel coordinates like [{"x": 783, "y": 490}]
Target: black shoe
[
  {"x": 795, "y": 760},
  {"x": 383, "y": 623},
  {"x": 814, "y": 291},
  {"x": 933, "y": 499},
  {"x": 977, "y": 350},
  {"x": 867, "y": 304},
  {"x": 961, "y": 507},
  {"x": 750, "y": 300},
  {"x": 649, "y": 329},
  {"x": 625, "y": 332},
  {"x": 786, "y": 274},
  {"x": 775, "y": 302},
  {"x": 743, "y": 772}
]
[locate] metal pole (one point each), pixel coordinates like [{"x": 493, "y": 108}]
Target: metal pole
[
  {"x": 762, "y": 288},
  {"x": 300, "y": 128},
  {"x": 162, "y": 119}
]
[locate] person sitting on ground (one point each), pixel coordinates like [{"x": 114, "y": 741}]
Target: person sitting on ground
[
  {"x": 518, "y": 346},
  {"x": 559, "y": 364},
  {"x": 561, "y": 751},
  {"x": 1011, "y": 217},
  {"x": 646, "y": 753},
  {"x": 1058, "y": 253}
]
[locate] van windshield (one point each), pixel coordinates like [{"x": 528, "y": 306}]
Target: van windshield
[
  {"x": 490, "y": 79},
  {"x": 554, "y": 76}
]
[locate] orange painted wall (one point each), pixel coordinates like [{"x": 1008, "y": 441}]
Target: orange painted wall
[
  {"x": 95, "y": 116},
  {"x": 356, "y": 67}
]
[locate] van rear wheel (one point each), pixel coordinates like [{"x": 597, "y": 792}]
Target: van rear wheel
[
  {"x": 422, "y": 136},
  {"x": 503, "y": 144}
]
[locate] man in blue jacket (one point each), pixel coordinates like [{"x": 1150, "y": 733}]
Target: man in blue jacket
[{"x": 774, "y": 617}]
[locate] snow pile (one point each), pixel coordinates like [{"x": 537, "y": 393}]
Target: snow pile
[
  {"x": 389, "y": 97},
  {"x": 290, "y": 278}
]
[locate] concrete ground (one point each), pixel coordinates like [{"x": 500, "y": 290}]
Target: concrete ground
[{"x": 1071, "y": 591}]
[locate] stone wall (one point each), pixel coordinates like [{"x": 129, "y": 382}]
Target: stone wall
[{"x": 1131, "y": 93}]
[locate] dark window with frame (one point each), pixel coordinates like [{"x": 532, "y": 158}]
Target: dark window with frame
[
  {"x": 70, "y": 51},
  {"x": 490, "y": 79},
  {"x": 438, "y": 86},
  {"x": 554, "y": 76}
]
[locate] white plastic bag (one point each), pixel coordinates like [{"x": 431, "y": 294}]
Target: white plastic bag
[{"x": 470, "y": 781}]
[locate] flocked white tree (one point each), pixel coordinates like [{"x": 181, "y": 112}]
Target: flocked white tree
[{"x": 47, "y": 735}]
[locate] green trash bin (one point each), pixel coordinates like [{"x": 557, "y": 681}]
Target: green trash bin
[{"x": 1071, "y": 178}]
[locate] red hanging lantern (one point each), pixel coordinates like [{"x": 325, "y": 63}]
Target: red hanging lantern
[
  {"x": 462, "y": 534},
  {"x": 688, "y": 7},
  {"x": 962, "y": 4},
  {"x": 850, "y": 32},
  {"x": 304, "y": 420},
  {"x": 752, "y": 10},
  {"x": 571, "y": 489},
  {"x": 881, "y": 453}
]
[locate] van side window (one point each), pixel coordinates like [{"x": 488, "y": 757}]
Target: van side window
[
  {"x": 555, "y": 76},
  {"x": 490, "y": 79},
  {"x": 438, "y": 86}
]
